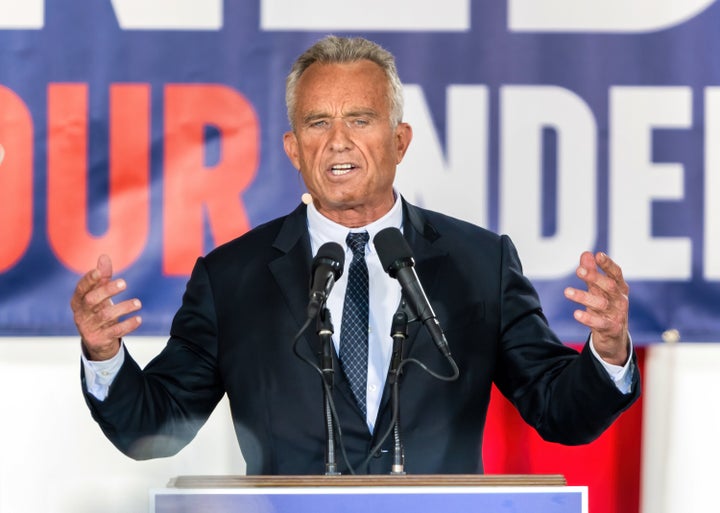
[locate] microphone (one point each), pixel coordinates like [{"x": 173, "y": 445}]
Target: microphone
[
  {"x": 327, "y": 267},
  {"x": 397, "y": 259}
]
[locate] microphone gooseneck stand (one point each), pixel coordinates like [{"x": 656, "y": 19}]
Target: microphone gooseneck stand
[
  {"x": 398, "y": 332},
  {"x": 325, "y": 331},
  {"x": 334, "y": 431},
  {"x": 327, "y": 267},
  {"x": 402, "y": 317}
]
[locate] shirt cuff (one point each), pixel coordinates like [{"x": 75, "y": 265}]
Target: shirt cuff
[
  {"x": 100, "y": 375},
  {"x": 621, "y": 375}
]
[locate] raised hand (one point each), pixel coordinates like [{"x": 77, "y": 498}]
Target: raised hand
[
  {"x": 606, "y": 305},
  {"x": 97, "y": 317}
]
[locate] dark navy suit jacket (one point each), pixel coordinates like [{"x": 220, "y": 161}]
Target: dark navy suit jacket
[{"x": 247, "y": 299}]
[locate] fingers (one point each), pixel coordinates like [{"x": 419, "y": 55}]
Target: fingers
[
  {"x": 98, "y": 319},
  {"x": 609, "y": 267},
  {"x": 102, "y": 327},
  {"x": 606, "y": 299},
  {"x": 606, "y": 303},
  {"x": 599, "y": 315},
  {"x": 609, "y": 282},
  {"x": 101, "y": 274},
  {"x": 612, "y": 281},
  {"x": 104, "y": 316},
  {"x": 93, "y": 292},
  {"x": 102, "y": 293},
  {"x": 590, "y": 301}
]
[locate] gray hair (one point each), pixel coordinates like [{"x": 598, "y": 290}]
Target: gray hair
[{"x": 340, "y": 50}]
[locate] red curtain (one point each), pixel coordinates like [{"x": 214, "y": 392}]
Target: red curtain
[{"x": 609, "y": 466}]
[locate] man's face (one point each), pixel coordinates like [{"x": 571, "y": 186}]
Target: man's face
[{"x": 344, "y": 144}]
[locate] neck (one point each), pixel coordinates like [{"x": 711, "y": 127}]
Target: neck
[{"x": 356, "y": 217}]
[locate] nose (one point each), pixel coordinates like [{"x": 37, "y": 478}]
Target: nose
[{"x": 339, "y": 136}]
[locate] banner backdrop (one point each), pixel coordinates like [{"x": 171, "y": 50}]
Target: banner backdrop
[{"x": 152, "y": 131}]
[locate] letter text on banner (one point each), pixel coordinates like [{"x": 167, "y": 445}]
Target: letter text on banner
[
  {"x": 16, "y": 178},
  {"x": 69, "y": 201},
  {"x": 711, "y": 232},
  {"x": 28, "y": 14},
  {"x": 169, "y": 14},
  {"x": 636, "y": 181},
  {"x": 525, "y": 112},
  {"x": 194, "y": 191},
  {"x": 389, "y": 15},
  {"x": 456, "y": 179},
  {"x": 601, "y": 15}
]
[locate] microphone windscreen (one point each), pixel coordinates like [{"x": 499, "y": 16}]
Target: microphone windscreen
[
  {"x": 332, "y": 254},
  {"x": 391, "y": 247}
]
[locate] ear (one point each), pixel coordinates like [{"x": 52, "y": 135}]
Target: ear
[
  {"x": 403, "y": 136},
  {"x": 290, "y": 143}
]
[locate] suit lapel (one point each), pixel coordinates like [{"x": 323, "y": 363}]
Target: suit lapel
[
  {"x": 292, "y": 271},
  {"x": 429, "y": 260}
]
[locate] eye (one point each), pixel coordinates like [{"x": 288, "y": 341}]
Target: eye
[
  {"x": 318, "y": 123},
  {"x": 359, "y": 122}
]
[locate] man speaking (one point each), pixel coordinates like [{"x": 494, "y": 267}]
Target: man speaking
[{"x": 242, "y": 329}]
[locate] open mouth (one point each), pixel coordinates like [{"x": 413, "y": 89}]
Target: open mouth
[{"x": 341, "y": 169}]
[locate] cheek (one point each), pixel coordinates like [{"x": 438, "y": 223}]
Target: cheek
[
  {"x": 310, "y": 153},
  {"x": 388, "y": 154}
]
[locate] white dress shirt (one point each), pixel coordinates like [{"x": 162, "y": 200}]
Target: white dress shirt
[{"x": 384, "y": 295}]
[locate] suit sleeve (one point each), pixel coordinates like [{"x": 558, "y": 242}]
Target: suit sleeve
[
  {"x": 567, "y": 397},
  {"x": 156, "y": 411}
]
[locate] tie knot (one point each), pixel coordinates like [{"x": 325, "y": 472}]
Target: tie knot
[{"x": 356, "y": 241}]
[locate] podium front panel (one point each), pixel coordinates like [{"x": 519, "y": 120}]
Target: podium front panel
[{"x": 415, "y": 499}]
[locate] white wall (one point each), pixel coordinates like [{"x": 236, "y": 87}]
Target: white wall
[
  {"x": 681, "y": 429},
  {"x": 53, "y": 456}
]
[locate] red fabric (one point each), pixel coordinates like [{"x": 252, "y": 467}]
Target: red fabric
[{"x": 609, "y": 466}]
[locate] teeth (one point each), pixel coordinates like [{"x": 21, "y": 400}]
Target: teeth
[{"x": 341, "y": 169}]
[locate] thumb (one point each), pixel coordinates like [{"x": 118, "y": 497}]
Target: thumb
[{"x": 104, "y": 265}]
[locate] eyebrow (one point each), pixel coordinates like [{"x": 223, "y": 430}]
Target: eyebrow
[
  {"x": 314, "y": 116},
  {"x": 365, "y": 113}
]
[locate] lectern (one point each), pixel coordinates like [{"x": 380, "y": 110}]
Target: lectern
[{"x": 370, "y": 494}]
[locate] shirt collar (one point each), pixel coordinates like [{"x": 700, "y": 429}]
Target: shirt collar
[{"x": 324, "y": 230}]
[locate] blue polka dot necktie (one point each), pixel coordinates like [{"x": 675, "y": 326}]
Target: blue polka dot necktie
[{"x": 354, "y": 332}]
